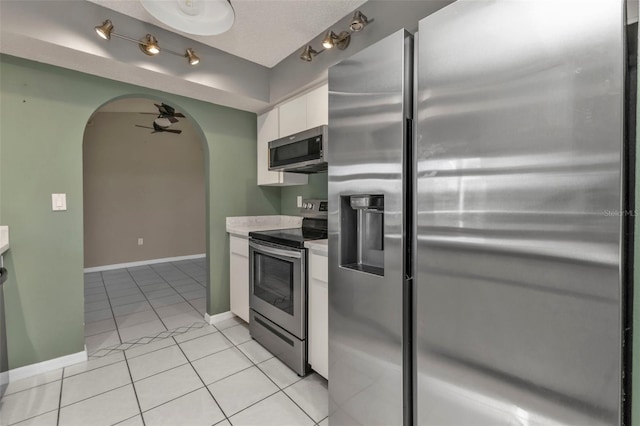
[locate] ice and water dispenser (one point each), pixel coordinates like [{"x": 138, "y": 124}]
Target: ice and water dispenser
[{"x": 362, "y": 228}]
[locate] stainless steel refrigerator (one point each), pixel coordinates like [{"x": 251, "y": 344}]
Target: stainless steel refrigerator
[{"x": 476, "y": 225}]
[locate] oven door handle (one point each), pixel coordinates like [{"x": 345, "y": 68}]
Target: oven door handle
[{"x": 275, "y": 251}]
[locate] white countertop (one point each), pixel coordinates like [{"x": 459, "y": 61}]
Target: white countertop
[
  {"x": 4, "y": 239},
  {"x": 318, "y": 246},
  {"x": 242, "y": 225}
]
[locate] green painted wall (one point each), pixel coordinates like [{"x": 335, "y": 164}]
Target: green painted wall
[
  {"x": 43, "y": 113},
  {"x": 317, "y": 188},
  {"x": 635, "y": 391}
]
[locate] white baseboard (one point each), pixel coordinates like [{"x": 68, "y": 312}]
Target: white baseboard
[
  {"x": 44, "y": 366},
  {"x": 212, "y": 319},
  {"x": 143, "y": 262}
]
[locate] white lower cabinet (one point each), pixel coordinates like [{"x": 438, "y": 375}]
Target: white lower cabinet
[
  {"x": 239, "y": 276},
  {"x": 319, "y": 314}
]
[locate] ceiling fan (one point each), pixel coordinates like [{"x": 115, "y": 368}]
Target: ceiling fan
[
  {"x": 166, "y": 117},
  {"x": 158, "y": 129}
]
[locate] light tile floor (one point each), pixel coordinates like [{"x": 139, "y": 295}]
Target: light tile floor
[
  {"x": 212, "y": 375},
  {"x": 125, "y": 305}
]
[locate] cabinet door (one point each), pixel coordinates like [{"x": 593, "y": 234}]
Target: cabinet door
[
  {"x": 318, "y": 107},
  {"x": 239, "y": 277},
  {"x": 293, "y": 116},
  {"x": 267, "y": 131},
  {"x": 319, "y": 315}
]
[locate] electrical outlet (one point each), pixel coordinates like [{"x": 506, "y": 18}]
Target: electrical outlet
[
  {"x": 140, "y": 241},
  {"x": 299, "y": 201}
]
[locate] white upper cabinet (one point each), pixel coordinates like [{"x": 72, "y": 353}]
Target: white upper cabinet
[
  {"x": 302, "y": 113},
  {"x": 268, "y": 130},
  {"x": 318, "y": 107},
  {"x": 293, "y": 116}
]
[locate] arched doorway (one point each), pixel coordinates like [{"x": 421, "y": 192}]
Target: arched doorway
[{"x": 144, "y": 223}]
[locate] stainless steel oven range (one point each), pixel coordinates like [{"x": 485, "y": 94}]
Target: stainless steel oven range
[{"x": 278, "y": 286}]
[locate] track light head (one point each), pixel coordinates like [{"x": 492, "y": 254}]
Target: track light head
[
  {"x": 341, "y": 41},
  {"x": 328, "y": 40},
  {"x": 105, "y": 29},
  {"x": 358, "y": 22},
  {"x": 308, "y": 53},
  {"x": 193, "y": 58},
  {"x": 149, "y": 45}
]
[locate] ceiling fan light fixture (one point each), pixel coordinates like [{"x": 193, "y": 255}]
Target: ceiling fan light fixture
[
  {"x": 163, "y": 122},
  {"x": 149, "y": 45},
  {"x": 105, "y": 29},
  {"x": 308, "y": 53},
  {"x": 199, "y": 17},
  {"x": 358, "y": 22},
  {"x": 192, "y": 57}
]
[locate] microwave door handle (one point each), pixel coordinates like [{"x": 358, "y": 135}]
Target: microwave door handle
[{"x": 275, "y": 251}]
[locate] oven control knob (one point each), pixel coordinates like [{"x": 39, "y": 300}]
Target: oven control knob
[
  {"x": 304, "y": 206},
  {"x": 310, "y": 206}
]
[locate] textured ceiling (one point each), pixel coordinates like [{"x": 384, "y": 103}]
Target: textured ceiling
[{"x": 265, "y": 31}]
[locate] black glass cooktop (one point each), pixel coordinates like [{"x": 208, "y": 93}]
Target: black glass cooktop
[{"x": 293, "y": 237}]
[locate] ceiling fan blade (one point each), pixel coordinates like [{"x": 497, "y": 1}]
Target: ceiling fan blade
[
  {"x": 144, "y": 127},
  {"x": 168, "y": 109},
  {"x": 176, "y": 131},
  {"x": 178, "y": 114},
  {"x": 172, "y": 119}
]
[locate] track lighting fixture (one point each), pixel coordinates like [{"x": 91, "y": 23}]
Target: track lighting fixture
[
  {"x": 148, "y": 45},
  {"x": 358, "y": 22},
  {"x": 308, "y": 53},
  {"x": 105, "y": 29},
  {"x": 193, "y": 58},
  {"x": 341, "y": 41}
]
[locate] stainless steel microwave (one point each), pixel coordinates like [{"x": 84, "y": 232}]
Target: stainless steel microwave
[{"x": 303, "y": 152}]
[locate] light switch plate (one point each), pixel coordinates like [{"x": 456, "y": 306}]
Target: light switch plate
[
  {"x": 58, "y": 202},
  {"x": 299, "y": 201}
]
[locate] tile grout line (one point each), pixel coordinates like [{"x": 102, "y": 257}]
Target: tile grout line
[
  {"x": 133, "y": 385},
  {"x": 93, "y": 396},
  {"x": 189, "y": 275},
  {"x": 129, "y": 418},
  {"x": 30, "y": 388},
  {"x": 159, "y": 275},
  {"x": 177, "y": 397},
  {"x": 147, "y": 299},
  {"x": 259, "y": 369},
  {"x": 30, "y": 418},
  {"x": 171, "y": 337},
  {"x": 282, "y": 388},
  {"x": 203, "y": 383},
  {"x": 174, "y": 289},
  {"x": 60, "y": 398},
  {"x": 113, "y": 315},
  {"x": 277, "y": 386},
  {"x": 253, "y": 363},
  {"x": 134, "y": 343},
  {"x": 97, "y": 368}
]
